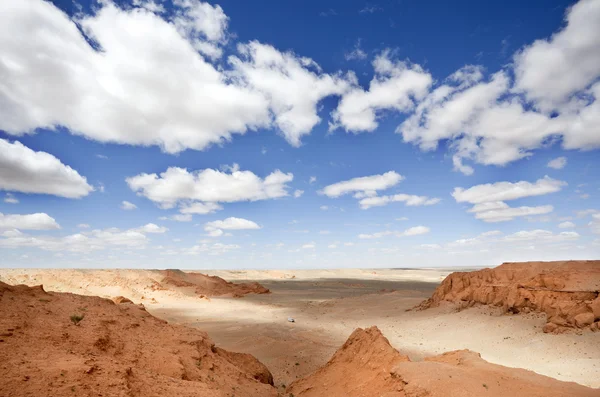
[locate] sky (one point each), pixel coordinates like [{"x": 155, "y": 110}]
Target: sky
[{"x": 313, "y": 134}]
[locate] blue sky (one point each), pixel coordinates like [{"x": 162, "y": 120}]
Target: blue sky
[{"x": 322, "y": 134}]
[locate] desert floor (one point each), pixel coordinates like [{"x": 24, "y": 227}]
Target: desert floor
[{"x": 328, "y": 305}]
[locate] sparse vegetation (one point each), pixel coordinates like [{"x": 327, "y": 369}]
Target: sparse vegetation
[{"x": 76, "y": 318}]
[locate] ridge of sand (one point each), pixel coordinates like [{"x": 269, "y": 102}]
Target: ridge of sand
[
  {"x": 59, "y": 344},
  {"x": 566, "y": 291},
  {"x": 367, "y": 365}
]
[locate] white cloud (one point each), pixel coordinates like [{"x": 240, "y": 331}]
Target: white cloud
[
  {"x": 402, "y": 219},
  {"x": 394, "y": 87},
  {"x": 348, "y": 244},
  {"x": 38, "y": 221},
  {"x": 370, "y": 9},
  {"x": 550, "y": 71},
  {"x": 488, "y": 199},
  {"x": 10, "y": 199},
  {"x": 177, "y": 218},
  {"x": 122, "y": 93},
  {"x": 324, "y": 232},
  {"x": 178, "y": 185},
  {"x": 312, "y": 179},
  {"x": 126, "y": 205},
  {"x": 585, "y": 213},
  {"x": 499, "y": 211},
  {"x": 557, "y": 163},
  {"x": 151, "y": 228},
  {"x": 489, "y": 123},
  {"x": 98, "y": 239},
  {"x": 540, "y": 236},
  {"x": 293, "y": 86},
  {"x": 298, "y": 193},
  {"x": 430, "y": 246},
  {"x": 332, "y": 246},
  {"x": 199, "y": 208},
  {"x": 365, "y": 184},
  {"x": 215, "y": 228},
  {"x": 101, "y": 156},
  {"x": 413, "y": 231},
  {"x": 503, "y": 191},
  {"x": 408, "y": 199},
  {"x": 323, "y": 208},
  {"x": 310, "y": 245},
  {"x": 357, "y": 53},
  {"x": 566, "y": 225},
  {"x": 595, "y": 223},
  {"x": 24, "y": 170}
]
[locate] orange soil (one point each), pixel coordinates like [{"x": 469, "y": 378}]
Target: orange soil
[
  {"x": 114, "y": 350},
  {"x": 568, "y": 292},
  {"x": 367, "y": 365}
]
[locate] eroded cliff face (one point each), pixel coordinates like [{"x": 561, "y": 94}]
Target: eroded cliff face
[
  {"x": 60, "y": 344},
  {"x": 209, "y": 285},
  {"x": 366, "y": 365},
  {"x": 568, "y": 292}
]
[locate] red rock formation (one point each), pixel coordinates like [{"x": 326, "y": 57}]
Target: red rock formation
[
  {"x": 112, "y": 350},
  {"x": 566, "y": 291},
  {"x": 210, "y": 285},
  {"x": 368, "y": 366}
]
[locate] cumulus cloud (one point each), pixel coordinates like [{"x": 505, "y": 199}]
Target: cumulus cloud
[
  {"x": 488, "y": 199},
  {"x": 298, "y": 193},
  {"x": 151, "y": 228},
  {"x": 408, "y": 199},
  {"x": 491, "y": 123},
  {"x": 38, "y": 221},
  {"x": 121, "y": 93},
  {"x": 550, "y": 71},
  {"x": 126, "y": 205},
  {"x": 85, "y": 241},
  {"x": 199, "y": 208},
  {"x": 24, "y": 170},
  {"x": 413, "y": 231},
  {"x": 557, "y": 163},
  {"x": 199, "y": 192},
  {"x": 595, "y": 223},
  {"x": 365, "y": 184},
  {"x": 293, "y": 86},
  {"x": 503, "y": 191},
  {"x": 540, "y": 236},
  {"x": 395, "y": 86},
  {"x": 499, "y": 211},
  {"x": 177, "y": 218},
  {"x": 215, "y": 228},
  {"x": 566, "y": 225}
]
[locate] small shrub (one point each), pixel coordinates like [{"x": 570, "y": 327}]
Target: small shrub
[{"x": 76, "y": 318}]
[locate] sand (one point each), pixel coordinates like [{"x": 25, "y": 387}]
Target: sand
[{"x": 329, "y": 305}]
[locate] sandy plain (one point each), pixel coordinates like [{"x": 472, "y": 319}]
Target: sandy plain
[{"x": 327, "y": 305}]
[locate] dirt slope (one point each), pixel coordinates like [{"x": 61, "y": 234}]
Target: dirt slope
[
  {"x": 367, "y": 366},
  {"x": 568, "y": 292},
  {"x": 209, "y": 285},
  {"x": 114, "y": 350}
]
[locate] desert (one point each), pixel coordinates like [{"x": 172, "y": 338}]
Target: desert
[{"x": 403, "y": 327}]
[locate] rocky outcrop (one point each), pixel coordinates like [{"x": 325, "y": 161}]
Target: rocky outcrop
[
  {"x": 366, "y": 365},
  {"x": 205, "y": 285},
  {"x": 59, "y": 344},
  {"x": 568, "y": 292},
  {"x": 121, "y": 299}
]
